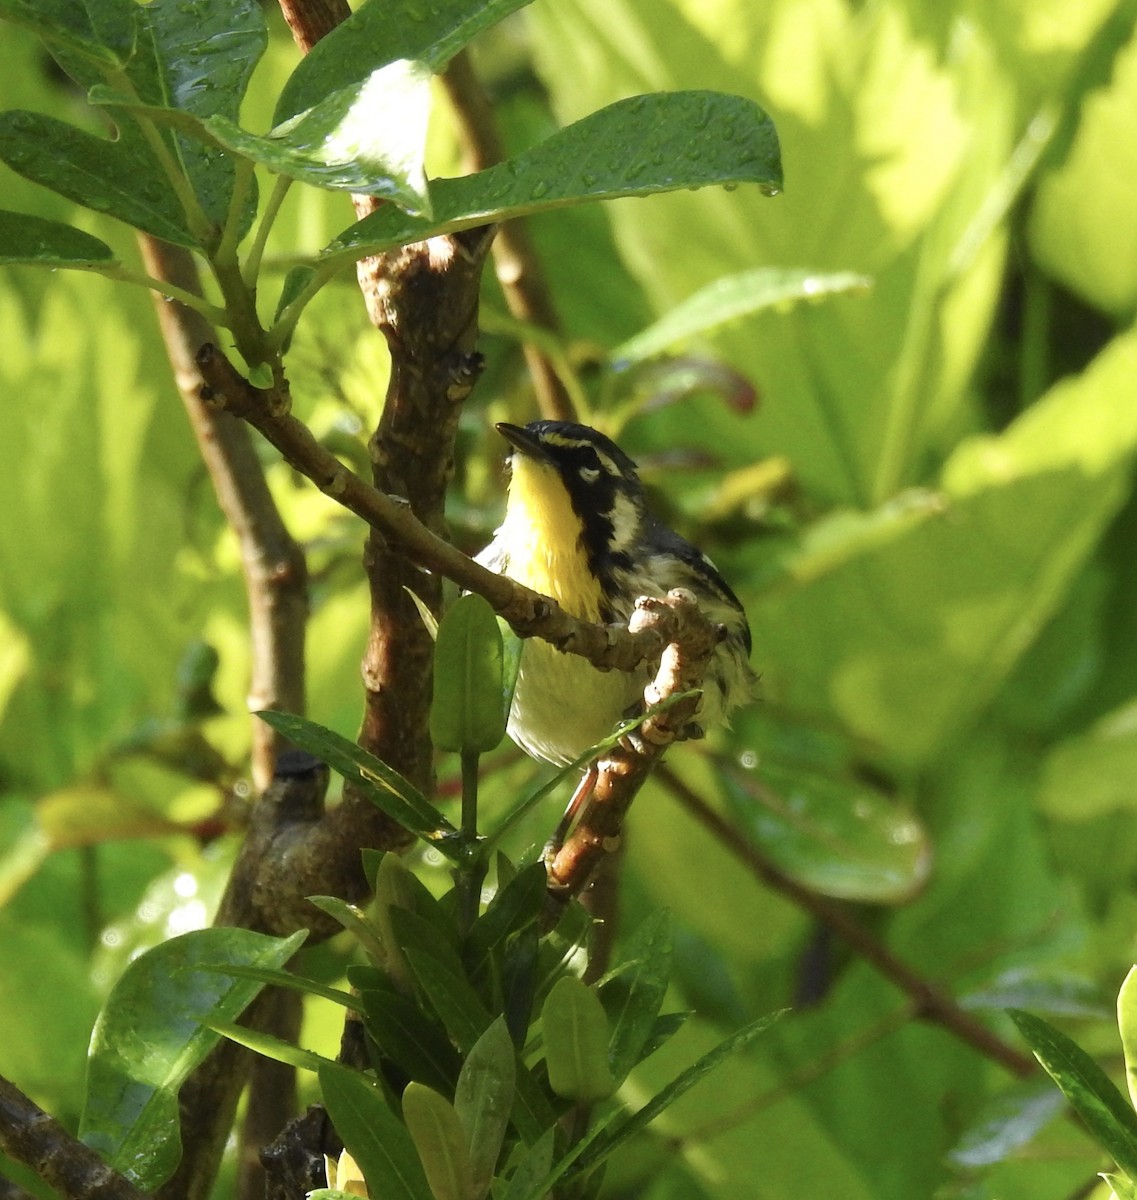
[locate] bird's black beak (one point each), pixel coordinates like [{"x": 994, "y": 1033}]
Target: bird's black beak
[{"x": 521, "y": 439}]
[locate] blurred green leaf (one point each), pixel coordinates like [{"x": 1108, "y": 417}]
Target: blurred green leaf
[
  {"x": 730, "y": 299},
  {"x": 440, "y": 1140},
  {"x": 620, "y": 1131},
  {"x": 576, "y": 1042},
  {"x": 1107, "y": 1115},
  {"x": 634, "y": 147},
  {"x": 483, "y": 1100},
  {"x": 149, "y": 1037},
  {"x": 374, "y": 1136},
  {"x": 533, "y": 1167},
  {"x": 467, "y": 713},
  {"x": 840, "y": 837},
  {"x": 378, "y": 33},
  {"x": 1092, "y": 773},
  {"x": 269, "y": 1046},
  {"x": 1123, "y": 1188},
  {"x": 32, "y": 240},
  {"x": 1007, "y": 1123}
]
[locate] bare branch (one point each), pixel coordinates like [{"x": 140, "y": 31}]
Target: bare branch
[
  {"x": 32, "y": 1137},
  {"x": 515, "y": 257},
  {"x": 271, "y": 562}
]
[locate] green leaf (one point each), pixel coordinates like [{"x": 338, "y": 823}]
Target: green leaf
[
  {"x": 576, "y": 1042},
  {"x": 385, "y": 788},
  {"x": 636, "y": 147},
  {"x": 102, "y": 31},
  {"x": 731, "y": 298},
  {"x": 120, "y": 178},
  {"x": 466, "y": 1019},
  {"x": 1109, "y": 1118},
  {"x": 398, "y": 891},
  {"x": 38, "y": 242},
  {"x": 356, "y": 923},
  {"x": 203, "y": 53},
  {"x": 405, "y": 1033},
  {"x": 373, "y": 1135},
  {"x": 838, "y": 836},
  {"x": 534, "y": 1167},
  {"x": 286, "y": 979},
  {"x": 616, "y": 1136},
  {"x": 1127, "y": 1024},
  {"x": 483, "y": 1100},
  {"x": 515, "y": 907},
  {"x": 368, "y": 138},
  {"x": 634, "y": 995},
  {"x": 467, "y": 714},
  {"x": 440, "y": 1140},
  {"x": 150, "y": 1035},
  {"x": 269, "y": 1046},
  {"x": 378, "y": 33}
]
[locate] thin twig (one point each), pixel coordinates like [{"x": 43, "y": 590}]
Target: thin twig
[
  {"x": 929, "y": 1002},
  {"x": 30, "y": 1136},
  {"x": 515, "y": 259}
]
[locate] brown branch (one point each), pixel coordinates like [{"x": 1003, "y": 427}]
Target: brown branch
[
  {"x": 515, "y": 258},
  {"x": 929, "y": 1003},
  {"x": 30, "y": 1136},
  {"x": 531, "y": 614},
  {"x": 275, "y": 575},
  {"x": 622, "y": 771},
  {"x": 271, "y": 562}
]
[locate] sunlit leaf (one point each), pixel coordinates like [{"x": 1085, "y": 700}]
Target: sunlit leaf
[
  {"x": 731, "y": 298},
  {"x": 636, "y": 147},
  {"x": 369, "y": 138},
  {"x": 378, "y": 33}
]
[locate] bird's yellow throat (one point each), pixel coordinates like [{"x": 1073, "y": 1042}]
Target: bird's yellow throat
[{"x": 543, "y": 533}]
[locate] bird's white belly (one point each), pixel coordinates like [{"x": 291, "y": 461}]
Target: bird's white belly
[{"x": 563, "y": 704}]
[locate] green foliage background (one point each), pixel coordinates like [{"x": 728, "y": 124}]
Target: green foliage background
[{"x": 941, "y": 603}]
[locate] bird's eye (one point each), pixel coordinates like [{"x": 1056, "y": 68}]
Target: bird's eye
[{"x": 589, "y": 474}]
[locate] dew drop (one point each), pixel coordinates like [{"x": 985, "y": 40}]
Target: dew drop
[{"x": 540, "y": 188}]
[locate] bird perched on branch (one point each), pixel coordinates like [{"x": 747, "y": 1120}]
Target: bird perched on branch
[{"x": 577, "y": 529}]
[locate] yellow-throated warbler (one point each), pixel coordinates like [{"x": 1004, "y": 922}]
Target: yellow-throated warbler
[{"x": 577, "y": 529}]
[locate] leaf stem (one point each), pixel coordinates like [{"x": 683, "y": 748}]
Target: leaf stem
[
  {"x": 282, "y": 328},
  {"x": 471, "y": 869},
  {"x": 230, "y": 235},
  {"x": 199, "y": 224},
  {"x": 213, "y": 313},
  {"x": 268, "y": 218}
]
